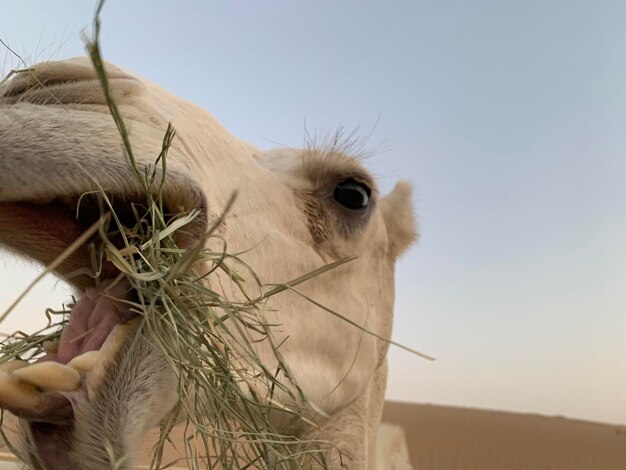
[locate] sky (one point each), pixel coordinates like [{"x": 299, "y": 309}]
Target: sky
[{"x": 506, "y": 116}]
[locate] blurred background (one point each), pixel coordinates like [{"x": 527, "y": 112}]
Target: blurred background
[{"x": 506, "y": 116}]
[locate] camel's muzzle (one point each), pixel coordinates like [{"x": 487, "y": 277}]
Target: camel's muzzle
[{"x": 45, "y": 393}]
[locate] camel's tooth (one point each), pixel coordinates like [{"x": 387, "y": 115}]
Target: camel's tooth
[
  {"x": 50, "y": 375},
  {"x": 85, "y": 361},
  {"x": 17, "y": 394},
  {"x": 51, "y": 347},
  {"x": 10, "y": 366},
  {"x": 120, "y": 333}
]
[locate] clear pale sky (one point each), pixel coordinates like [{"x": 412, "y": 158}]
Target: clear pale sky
[{"x": 508, "y": 117}]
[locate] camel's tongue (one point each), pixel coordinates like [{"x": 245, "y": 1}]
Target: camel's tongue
[{"x": 91, "y": 320}]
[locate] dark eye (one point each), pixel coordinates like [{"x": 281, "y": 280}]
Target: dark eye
[{"x": 352, "y": 195}]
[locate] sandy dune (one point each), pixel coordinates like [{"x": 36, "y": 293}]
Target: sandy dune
[{"x": 447, "y": 438}]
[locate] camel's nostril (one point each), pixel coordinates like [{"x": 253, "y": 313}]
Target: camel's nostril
[
  {"x": 65, "y": 83},
  {"x": 28, "y": 80}
]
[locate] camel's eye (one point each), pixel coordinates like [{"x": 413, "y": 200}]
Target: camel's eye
[{"x": 352, "y": 195}]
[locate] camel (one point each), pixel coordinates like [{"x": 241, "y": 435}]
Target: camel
[{"x": 300, "y": 208}]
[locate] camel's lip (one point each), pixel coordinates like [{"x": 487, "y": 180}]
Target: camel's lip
[
  {"x": 42, "y": 227},
  {"x": 43, "y": 232}
]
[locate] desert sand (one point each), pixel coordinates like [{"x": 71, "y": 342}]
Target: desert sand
[{"x": 449, "y": 438}]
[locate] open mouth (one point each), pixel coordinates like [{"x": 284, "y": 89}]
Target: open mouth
[
  {"x": 72, "y": 368},
  {"x": 45, "y": 393}
]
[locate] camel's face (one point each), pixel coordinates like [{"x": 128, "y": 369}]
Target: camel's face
[{"x": 300, "y": 208}]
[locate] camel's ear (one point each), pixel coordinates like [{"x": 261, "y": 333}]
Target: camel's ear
[{"x": 397, "y": 212}]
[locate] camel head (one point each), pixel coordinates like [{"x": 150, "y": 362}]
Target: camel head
[{"x": 295, "y": 211}]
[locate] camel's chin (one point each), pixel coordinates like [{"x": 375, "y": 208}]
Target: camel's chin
[
  {"x": 52, "y": 422},
  {"x": 46, "y": 393}
]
